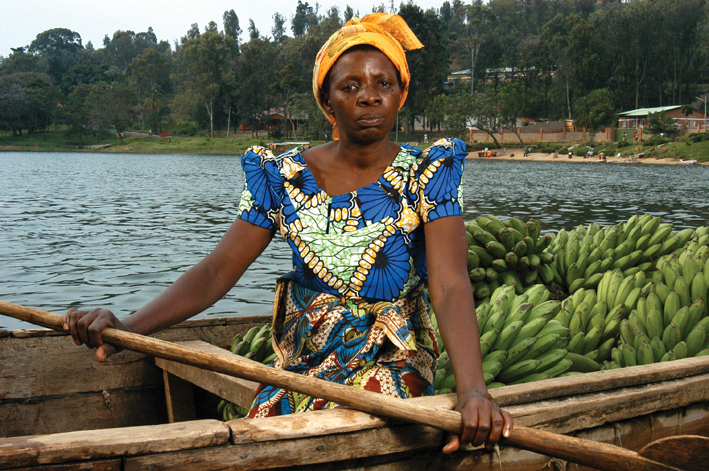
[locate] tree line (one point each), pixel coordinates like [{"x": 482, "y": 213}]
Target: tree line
[{"x": 553, "y": 59}]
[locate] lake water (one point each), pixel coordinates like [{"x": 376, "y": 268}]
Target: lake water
[{"x": 113, "y": 230}]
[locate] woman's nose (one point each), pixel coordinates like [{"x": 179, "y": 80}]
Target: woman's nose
[{"x": 369, "y": 95}]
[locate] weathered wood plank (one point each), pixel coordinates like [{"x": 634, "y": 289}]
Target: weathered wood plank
[
  {"x": 631, "y": 434},
  {"x": 98, "y": 465},
  {"x": 108, "y": 443},
  {"x": 561, "y": 415},
  {"x": 48, "y": 366},
  {"x": 117, "y": 408},
  {"x": 302, "y": 425},
  {"x": 179, "y": 398},
  {"x": 42, "y": 365},
  {"x": 282, "y": 453},
  {"x": 593, "y": 410},
  {"x": 236, "y": 390}
]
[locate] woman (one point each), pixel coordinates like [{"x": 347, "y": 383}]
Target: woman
[{"x": 368, "y": 222}]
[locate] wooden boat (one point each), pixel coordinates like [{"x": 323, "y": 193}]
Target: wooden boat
[
  {"x": 688, "y": 161},
  {"x": 60, "y": 410}
]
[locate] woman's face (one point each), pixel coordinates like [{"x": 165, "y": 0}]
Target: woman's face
[{"x": 364, "y": 95}]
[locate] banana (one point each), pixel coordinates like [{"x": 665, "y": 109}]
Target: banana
[
  {"x": 504, "y": 291},
  {"x": 521, "y": 313},
  {"x": 659, "y": 235},
  {"x": 630, "y": 357},
  {"x": 484, "y": 256},
  {"x": 681, "y": 350},
  {"x": 496, "y": 249},
  {"x": 473, "y": 260},
  {"x": 582, "y": 364},
  {"x": 520, "y": 249},
  {"x": 670, "y": 337},
  {"x": 517, "y": 351},
  {"x": 698, "y": 288},
  {"x": 511, "y": 259},
  {"x": 654, "y": 325},
  {"x": 497, "y": 355},
  {"x": 682, "y": 290},
  {"x": 690, "y": 268},
  {"x": 269, "y": 359},
  {"x": 681, "y": 318},
  {"x": 492, "y": 367},
  {"x": 550, "y": 359},
  {"x": 507, "y": 336},
  {"x": 611, "y": 329},
  {"x": 662, "y": 291},
  {"x": 635, "y": 324},
  {"x": 554, "y": 327},
  {"x": 697, "y": 310},
  {"x": 626, "y": 286},
  {"x": 592, "y": 269},
  {"x": 561, "y": 367},
  {"x": 604, "y": 350},
  {"x": 593, "y": 338},
  {"x": 534, "y": 228},
  {"x": 671, "y": 306},
  {"x": 484, "y": 237},
  {"x": 518, "y": 225},
  {"x": 490, "y": 275},
  {"x": 651, "y": 253},
  {"x": 695, "y": 340},
  {"x": 669, "y": 356},
  {"x": 531, "y": 328},
  {"x": 658, "y": 348},
  {"x": 645, "y": 355},
  {"x": 616, "y": 279},
  {"x": 626, "y": 333},
  {"x": 235, "y": 343},
  {"x": 518, "y": 370},
  {"x": 438, "y": 378},
  {"x": 499, "y": 265},
  {"x": 248, "y": 337}
]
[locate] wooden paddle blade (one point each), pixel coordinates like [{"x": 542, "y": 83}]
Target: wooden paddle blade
[{"x": 690, "y": 452}]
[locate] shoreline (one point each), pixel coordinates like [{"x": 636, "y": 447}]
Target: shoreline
[{"x": 543, "y": 157}]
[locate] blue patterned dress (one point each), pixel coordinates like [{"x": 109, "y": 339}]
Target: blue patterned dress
[{"x": 353, "y": 310}]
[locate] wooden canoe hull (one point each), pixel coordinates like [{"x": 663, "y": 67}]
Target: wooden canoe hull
[{"x": 59, "y": 410}]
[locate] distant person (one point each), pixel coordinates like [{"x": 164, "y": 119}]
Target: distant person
[
  {"x": 527, "y": 152},
  {"x": 625, "y": 135},
  {"x": 425, "y": 138}
]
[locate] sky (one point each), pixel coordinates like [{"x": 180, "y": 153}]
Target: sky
[{"x": 22, "y": 20}]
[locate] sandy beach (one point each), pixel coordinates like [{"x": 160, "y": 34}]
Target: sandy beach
[{"x": 518, "y": 155}]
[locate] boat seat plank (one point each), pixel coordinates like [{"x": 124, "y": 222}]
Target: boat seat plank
[
  {"x": 239, "y": 391},
  {"x": 96, "y": 465},
  {"x": 36, "y": 450},
  {"x": 179, "y": 397},
  {"x": 283, "y": 453}
]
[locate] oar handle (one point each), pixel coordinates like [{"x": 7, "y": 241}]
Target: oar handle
[{"x": 586, "y": 452}]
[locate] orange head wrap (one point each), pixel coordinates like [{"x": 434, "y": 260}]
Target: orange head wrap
[{"x": 388, "y": 33}]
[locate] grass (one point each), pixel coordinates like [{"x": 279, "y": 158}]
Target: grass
[{"x": 54, "y": 141}]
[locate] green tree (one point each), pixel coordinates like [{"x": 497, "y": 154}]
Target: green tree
[
  {"x": 513, "y": 103},
  {"x": 60, "y": 47},
  {"x": 279, "y": 29},
  {"x": 595, "y": 111},
  {"x": 253, "y": 32},
  {"x": 304, "y": 18},
  {"x": 659, "y": 123},
  {"x": 478, "y": 26},
  {"x": 77, "y": 113},
  {"x": 254, "y": 70},
  {"x": 231, "y": 26},
  {"x": 428, "y": 65},
  {"x": 13, "y": 106},
  {"x": 204, "y": 69}
]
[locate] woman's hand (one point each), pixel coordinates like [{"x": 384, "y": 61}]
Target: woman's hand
[
  {"x": 85, "y": 327},
  {"x": 484, "y": 422}
]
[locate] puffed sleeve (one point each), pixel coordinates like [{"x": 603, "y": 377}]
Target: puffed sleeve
[
  {"x": 260, "y": 203},
  {"x": 435, "y": 182}
]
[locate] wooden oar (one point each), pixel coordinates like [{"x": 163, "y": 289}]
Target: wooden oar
[{"x": 586, "y": 452}]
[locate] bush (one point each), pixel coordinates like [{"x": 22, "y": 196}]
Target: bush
[
  {"x": 622, "y": 144},
  {"x": 699, "y": 137},
  {"x": 655, "y": 140},
  {"x": 185, "y": 129}
]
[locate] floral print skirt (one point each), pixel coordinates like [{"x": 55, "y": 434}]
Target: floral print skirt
[{"x": 386, "y": 347}]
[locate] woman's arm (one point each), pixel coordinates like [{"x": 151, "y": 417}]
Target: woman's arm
[
  {"x": 452, "y": 299},
  {"x": 193, "y": 292}
]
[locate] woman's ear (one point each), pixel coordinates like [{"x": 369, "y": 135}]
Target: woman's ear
[{"x": 325, "y": 99}]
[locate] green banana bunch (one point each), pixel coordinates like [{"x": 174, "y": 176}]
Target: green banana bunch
[{"x": 256, "y": 344}]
